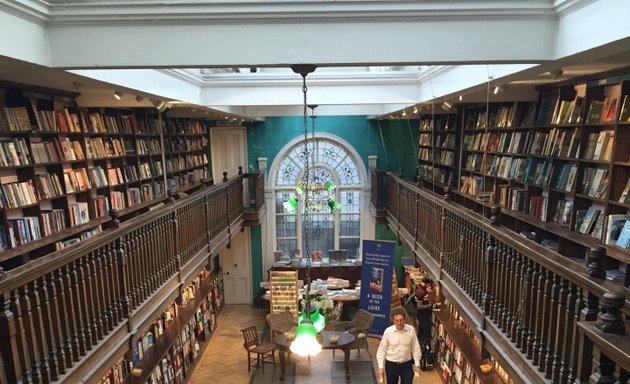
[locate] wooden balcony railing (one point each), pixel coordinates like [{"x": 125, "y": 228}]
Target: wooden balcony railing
[
  {"x": 57, "y": 311},
  {"x": 543, "y": 316}
]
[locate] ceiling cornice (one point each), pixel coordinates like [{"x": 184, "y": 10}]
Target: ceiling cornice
[
  {"x": 116, "y": 12},
  {"x": 565, "y": 7},
  {"x": 183, "y": 75},
  {"x": 35, "y": 11}
]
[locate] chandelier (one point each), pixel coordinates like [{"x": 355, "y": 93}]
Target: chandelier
[
  {"x": 305, "y": 343},
  {"x": 315, "y": 185}
]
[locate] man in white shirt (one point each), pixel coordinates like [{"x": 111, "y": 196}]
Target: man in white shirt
[{"x": 394, "y": 355}]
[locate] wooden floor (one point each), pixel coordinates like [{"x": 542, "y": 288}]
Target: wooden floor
[{"x": 225, "y": 361}]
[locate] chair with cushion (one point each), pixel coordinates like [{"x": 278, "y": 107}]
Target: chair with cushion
[
  {"x": 359, "y": 327},
  {"x": 253, "y": 346},
  {"x": 281, "y": 322}
]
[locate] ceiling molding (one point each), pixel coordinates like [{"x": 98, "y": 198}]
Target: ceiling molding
[
  {"x": 120, "y": 12},
  {"x": 184, "y": 75},
  {"x": 35, "y": 11},
  {"x": 565, "y": 7}
]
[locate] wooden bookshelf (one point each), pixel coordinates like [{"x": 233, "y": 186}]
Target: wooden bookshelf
[
  {"x": 558, "y": 167},
  {"x": 64, "y": 168}
]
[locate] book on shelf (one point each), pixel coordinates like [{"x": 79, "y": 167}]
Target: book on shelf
[
  {"x": 598, "y": 228},
  {"x": 595, "y": 112},
  {"x": 624, "y": 116},
  {"x": 625, "y": 195},
  {"x": 614, "y": 226},
  {"x": 590, "y": 218},
  {"x": 609, "y": 110},
  {"x": 624, "y": 237}
]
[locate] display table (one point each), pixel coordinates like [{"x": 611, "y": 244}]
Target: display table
[
  {"x": 283, "y": 344},
  {"x": 351, "y": 273}
]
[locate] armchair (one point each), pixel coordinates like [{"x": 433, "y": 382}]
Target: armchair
[
  {"x": 281, "y": 322},
  {"x": 359, "y": 327}
]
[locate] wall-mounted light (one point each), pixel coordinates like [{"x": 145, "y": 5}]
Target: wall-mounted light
[
  {"x": 461, "y": 98},
  {"x": 447, "y": 105},
  {"x": 118, "y": 95},
  {"x": 404, "y": 113},
  {"x": 556, "y": 73},
  {"x": 160, "y": 105},
  {"x": 415, "y": 110},
  {"x": 499, "y": 88}
]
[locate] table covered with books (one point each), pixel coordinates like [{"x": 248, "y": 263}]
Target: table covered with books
[{"x": 326, "y": 338}]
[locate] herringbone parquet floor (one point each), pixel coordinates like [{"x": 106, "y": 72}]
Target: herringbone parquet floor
[{"x": 225, "y": 361}]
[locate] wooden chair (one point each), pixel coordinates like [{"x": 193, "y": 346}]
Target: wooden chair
[
  {"x": 253, "y": 345},
  {"x": 359, "y": 327}
]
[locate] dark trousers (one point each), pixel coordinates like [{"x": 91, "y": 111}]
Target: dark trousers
[{"x": 395, "y": 370}]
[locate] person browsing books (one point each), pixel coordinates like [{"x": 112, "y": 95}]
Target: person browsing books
[{"x": 398, "y": 354}]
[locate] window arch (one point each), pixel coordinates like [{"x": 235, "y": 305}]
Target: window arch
[{"x": 330, "y": 161}]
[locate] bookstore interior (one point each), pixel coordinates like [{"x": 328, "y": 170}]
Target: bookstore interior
[{"x": 135, "y": 191}]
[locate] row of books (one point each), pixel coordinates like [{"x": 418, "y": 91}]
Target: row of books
[
  {"x": 560, "y": 142},
  {"x": 48, "y": 185},
  {"x": 598, "y": 146},
  {"x": 439, "y": 122},
  {"x": 14, "y": 152},
  {"x": 98, "y": 148},
  {"x": 56, "y": 150},
  {"x": 439, "y": 175},
  {"x": 59, "y": 245},
  {"x": 181, "y": 163},
  {"x": 182, "y": 144},
  {"x": 182, "y": 181},
  {"x": 184, "y": 127},
  {"x": 146, "y": 147},
  {"x": 594, "y": 182},
  {"x": 567, "y": 111},
  {"x": 602, "y": 111},
  {"x": 18, "y": 194},
  {"x": 506, "y": 116}
]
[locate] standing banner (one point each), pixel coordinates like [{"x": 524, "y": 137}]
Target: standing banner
[{"x": 376, "y": 282}]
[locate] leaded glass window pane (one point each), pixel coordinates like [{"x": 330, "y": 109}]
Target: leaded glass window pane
[
  {"x": 286, "y": 226},
  {"x": 352, "y": 245},
  {"x": 286, "y": 246},
  {"x": 349, "y": 224}
]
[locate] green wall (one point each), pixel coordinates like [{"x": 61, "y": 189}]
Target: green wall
[
  {"x": 382, "y": 232},
  {"x": 393, "y": 141},
  {"x": 256, "y": 255}
]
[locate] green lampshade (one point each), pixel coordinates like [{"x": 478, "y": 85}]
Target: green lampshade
[
  {"x": 319, "y": 321},
  {"x": 299, "y": 188},
  {"x": 330, "y": 186},
  {"x": 290, "y": 205},
  {"x": 305, "y": 343},
  {"x": 333, "y": 205}
]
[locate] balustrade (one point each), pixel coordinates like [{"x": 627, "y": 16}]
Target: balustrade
[
  {"x": 555, "y": 313},
  {"x": 56, "y": 310}
]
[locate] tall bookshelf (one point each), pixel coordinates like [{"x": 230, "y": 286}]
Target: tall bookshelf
[
  {"x": 63, "y": 168},
  {"x": 437, "y": 149},
  {"x": 558, "y": 167}
]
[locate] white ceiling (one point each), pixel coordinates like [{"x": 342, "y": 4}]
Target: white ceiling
[{"x": 374, "y": 57}]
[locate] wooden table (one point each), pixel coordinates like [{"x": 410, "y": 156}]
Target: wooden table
[{"x": 283, "y": 344}]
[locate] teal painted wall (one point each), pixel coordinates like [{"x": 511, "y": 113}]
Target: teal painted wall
[
  {"x": 256, "y": 254},
  {"x": 400, "y": 138},
  {"x": 393, "y": 141},
  {"x": 382, "y": 232}
]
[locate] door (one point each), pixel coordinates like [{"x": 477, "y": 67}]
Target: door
[
  {"x": 228, "y": 149},
  {"x": 237, "y": 270}
]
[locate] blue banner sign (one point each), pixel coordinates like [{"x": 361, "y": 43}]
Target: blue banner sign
[{"x": 376, "y": 282}]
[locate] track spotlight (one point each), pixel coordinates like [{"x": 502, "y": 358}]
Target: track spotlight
[
  {"x": 118, "y": 95},
  {"x": 447, "y": 105},
  {"x": 556, "y": 73},
  {"x": 498, "y": 89},
  {"x": 415, "y": 110},
  {"x": 404, "y": 113},
  {"x": 461, "y": 97},
  {"x": 139, "y": 99},
  {"x": 160, "y": 105}
]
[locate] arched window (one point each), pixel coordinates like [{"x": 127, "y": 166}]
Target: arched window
[{"x": 341, "y": 230}]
